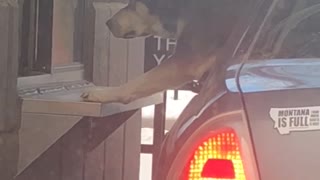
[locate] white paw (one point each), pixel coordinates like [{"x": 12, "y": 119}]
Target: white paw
[{"x": 101, "y": 94}]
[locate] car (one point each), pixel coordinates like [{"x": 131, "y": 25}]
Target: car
[{"x": 263, "y": 122}]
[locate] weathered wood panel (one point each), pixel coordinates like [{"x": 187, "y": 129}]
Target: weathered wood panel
[
  {"x": 112, "y": 74},
  {"x": 131, "y": 155},
  {"x": 101, "y": 46},
  {"x": 118, "y": 57},
  {"x": 100, "y": 130},
  {"x": 88, "y": 39},
  {"x": 9, "y": 53},
  {"x": 9, "y": 102},
  {"x": 114, "y": 145},
  {"x": 133, "y": 125},
  {"x": 38, "y": 132},
  {"x": 4, "y": 36},
  {"x": 73, "y": 152},
  {"x": 94, "y": 164},
  {"x": 115, "y": 62},
  {"x": 96, "y": 158},
  {"x": 47, "y": 166},
  {"x": 63, "y": 160},
  {"x": 9, "y": 153},
  {"x": 100, "y": 148}
]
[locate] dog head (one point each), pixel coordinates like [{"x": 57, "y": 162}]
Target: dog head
[{"x": 136, "y": 20}]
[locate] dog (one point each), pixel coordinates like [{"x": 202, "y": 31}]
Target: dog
[{"x": 201, "y": 28}]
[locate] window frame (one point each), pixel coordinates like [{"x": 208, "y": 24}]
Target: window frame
[
  {"x": 283, "y": 30},
  {"x": 74, "y": 71}
]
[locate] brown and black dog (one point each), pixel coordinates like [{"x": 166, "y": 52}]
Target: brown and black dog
[{"x": 201, "y": 27}]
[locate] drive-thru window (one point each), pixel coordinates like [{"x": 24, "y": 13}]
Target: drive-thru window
[{"x": 64, "y": 47}]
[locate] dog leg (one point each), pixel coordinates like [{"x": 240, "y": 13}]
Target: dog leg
[
  {"x": 189, "y": 62},
  {"x": 171, "y": 73}
]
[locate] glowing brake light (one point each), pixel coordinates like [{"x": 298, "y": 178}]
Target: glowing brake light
[
  {"x": 216, "y": 157},
  {"x": 218, "y": 168}
]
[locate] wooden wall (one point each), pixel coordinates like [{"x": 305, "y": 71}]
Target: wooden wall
[
  {"x": 122, "y": 61},
  {"x": 9, "y": 102},
  {"x": 114, "y": 63},
  {"x": 98, "y": 148}
]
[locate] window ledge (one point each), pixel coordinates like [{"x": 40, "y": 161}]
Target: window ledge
[{"x": 64, "y": 100}]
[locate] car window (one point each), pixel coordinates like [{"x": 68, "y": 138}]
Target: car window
[
  {"x": 291, "y": 31},
  {"x": 211, "y": 84},
  {"x": 286, "y": 29}
]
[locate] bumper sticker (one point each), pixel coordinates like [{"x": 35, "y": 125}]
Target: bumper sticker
[{"x": 287, "y": 120}]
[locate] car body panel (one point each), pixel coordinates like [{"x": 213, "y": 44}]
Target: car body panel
[
  {"x": 282, "y": 83},
  {"x": 293, "y": 156},
  {"x": 183, "y": 128},
  {"x": 276, "y": 74},
  {"x": 270, "y": 147},
  {"x": 254, "y": 87}
]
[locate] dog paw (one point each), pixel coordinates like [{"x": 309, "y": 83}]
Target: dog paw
[{"x": 101, "y": 94}]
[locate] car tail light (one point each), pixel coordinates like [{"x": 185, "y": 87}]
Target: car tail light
[{"x": 216, "y": 157}]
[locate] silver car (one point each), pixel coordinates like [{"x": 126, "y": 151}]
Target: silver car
[{"x": 263, "y": 122}]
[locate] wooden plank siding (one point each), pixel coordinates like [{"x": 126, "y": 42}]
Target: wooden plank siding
[
  {"x": 122, "y": 61},
  {"x": 9, "y": 101},
  {"x": 99, "y": 148}
]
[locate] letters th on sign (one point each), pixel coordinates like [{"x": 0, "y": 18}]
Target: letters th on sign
[
  {"x": 287, "y": 120},
  {"x": 157, "y": 50}
]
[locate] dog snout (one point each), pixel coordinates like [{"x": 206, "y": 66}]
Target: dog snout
[
  {"x": 109, "y": 24},
  {"x": 130, "y": 34}
]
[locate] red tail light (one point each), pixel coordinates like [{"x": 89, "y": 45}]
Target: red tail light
[{"x": 216, "y": 157}]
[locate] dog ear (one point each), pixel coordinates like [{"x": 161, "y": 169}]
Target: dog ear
[
  {"x": 141, "y": 8},
  {"x": 132, "y": 4}
]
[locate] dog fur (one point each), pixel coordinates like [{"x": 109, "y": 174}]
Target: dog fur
[{"x": 201, "y": 28}]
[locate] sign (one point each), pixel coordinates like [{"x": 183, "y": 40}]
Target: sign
[
  {"x": 157, "y": 50},
  {"x": 287, "y": 120}
]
